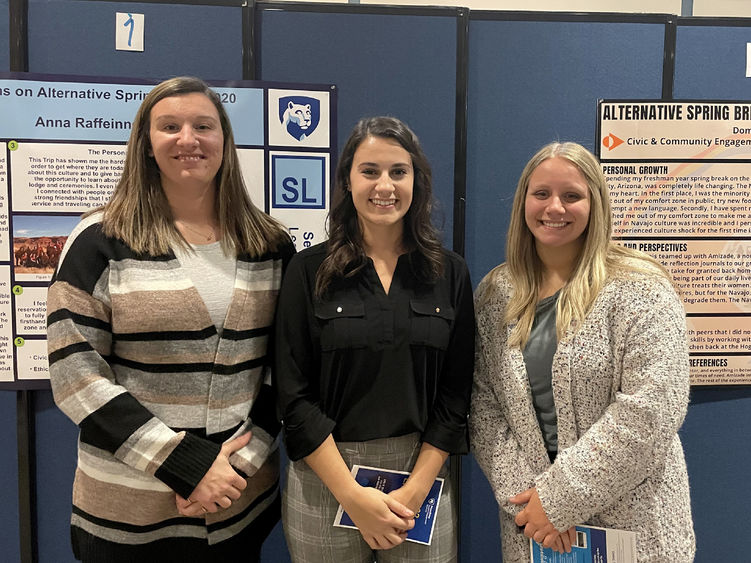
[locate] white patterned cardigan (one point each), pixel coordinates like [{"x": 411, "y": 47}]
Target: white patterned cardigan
[
  {"x": 620, "y": 384},
  {"x": 137, "y": 364}
]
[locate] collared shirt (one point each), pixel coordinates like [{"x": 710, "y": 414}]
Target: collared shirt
[{"x": 363, "y": 364}]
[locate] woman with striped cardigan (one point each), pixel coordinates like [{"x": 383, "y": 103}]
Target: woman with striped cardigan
[{"x": 159, "y": 326}]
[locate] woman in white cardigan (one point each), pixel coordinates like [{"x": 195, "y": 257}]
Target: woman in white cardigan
[{"x": 581, "y": 377}]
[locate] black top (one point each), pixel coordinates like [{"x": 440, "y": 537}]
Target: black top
[{"x": 362, "y": 364}]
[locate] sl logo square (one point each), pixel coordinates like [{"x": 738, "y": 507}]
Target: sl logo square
[{"x": 298, "y": 182}]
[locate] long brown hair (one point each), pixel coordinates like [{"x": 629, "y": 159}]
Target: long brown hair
[
  {"x": 138, "y": 212},
  {"x": 346, "y": 255}
]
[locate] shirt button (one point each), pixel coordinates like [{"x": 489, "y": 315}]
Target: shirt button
[
  {"x": 338, "y": 309},
  {"x": 437, "y": 309}
]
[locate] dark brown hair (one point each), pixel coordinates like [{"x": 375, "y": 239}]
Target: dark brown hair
[{"x": 346, "y": 255}]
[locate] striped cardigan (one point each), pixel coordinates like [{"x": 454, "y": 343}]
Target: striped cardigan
[{"x": 137, "y": 364}]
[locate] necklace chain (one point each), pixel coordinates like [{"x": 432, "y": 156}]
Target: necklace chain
[{"x": 199, "y": 233}]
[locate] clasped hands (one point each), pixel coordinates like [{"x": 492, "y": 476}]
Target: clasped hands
[
  {"x": 219, "y": 487},
  {"x": 383, "y": 519},
  {"x": 537, "y": 525}
]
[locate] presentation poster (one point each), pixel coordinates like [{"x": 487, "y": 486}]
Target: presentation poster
[
  {"x": 64, "y": 145},
  {"x": 680, "y": 182}
]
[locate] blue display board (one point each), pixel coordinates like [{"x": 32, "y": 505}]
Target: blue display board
[
  {"x": 55, "y": 464},
  {"x": 9, "y": 544},
  {"x": 9, "y": 521},
  {"x": 385, "y": 61},
  {"x": 533, "y": 82},
  {"x": 534, "y": 79},
  {"x": 4, "y": 37},
  {"x": 710, "y": 63},
  {"x": 710, "y": 59},
  {"x": 78, "y": 37}
]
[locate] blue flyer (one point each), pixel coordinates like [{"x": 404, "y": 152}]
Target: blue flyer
[
  {"x": 386, "y": 481},
  {"x": 593, "y": 545}
]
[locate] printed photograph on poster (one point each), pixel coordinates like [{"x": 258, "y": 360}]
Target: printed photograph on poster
[
  {"x": 680, "y": 183},
  {"x": 65, "y": 141},
  {"x": 38, "y": 241}
]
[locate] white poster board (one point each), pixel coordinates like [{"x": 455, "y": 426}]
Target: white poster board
[{"x": 680, "y": 183}]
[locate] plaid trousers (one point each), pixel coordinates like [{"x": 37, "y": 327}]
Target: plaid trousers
[{"x": 309, "y": 508}]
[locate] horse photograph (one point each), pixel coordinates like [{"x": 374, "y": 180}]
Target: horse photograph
[{"x": 38, "y": 242}]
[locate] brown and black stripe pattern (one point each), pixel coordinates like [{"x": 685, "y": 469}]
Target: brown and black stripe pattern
[{"x": 137, "y": 363}]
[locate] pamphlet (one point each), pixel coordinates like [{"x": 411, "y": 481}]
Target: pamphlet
[
  {"x": 386, "y": 480},
  {"x": 593, "y": 545}
]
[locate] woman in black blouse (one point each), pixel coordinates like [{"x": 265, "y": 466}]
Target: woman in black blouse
[{"x": 374, "y": 358}]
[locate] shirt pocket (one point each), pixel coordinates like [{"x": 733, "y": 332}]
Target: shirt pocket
[
  {"x": 431, "y": 324},
  {"x": 342, "y": 325}
]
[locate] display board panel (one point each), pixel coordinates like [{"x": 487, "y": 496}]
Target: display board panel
[
  {"x": 533, "y": 82},
  {"x": 710, "y": 64},
  {"x": 407, "y": 70},
  {"x": 711, "y": 59},
  {"x": 9, "y": 492},
  {"x": 533, "y": 79},
  {"x": 78, "y": 36},
  {"x": 4, "y": 36}
]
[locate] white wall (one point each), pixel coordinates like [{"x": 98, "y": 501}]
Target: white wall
[
  {"x": 651, "y": 6},
  {"x": 717, "y": 8},
  {"x": 722, "y": 8}
]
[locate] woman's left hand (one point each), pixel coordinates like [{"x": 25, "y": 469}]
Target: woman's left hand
[
  {"x": 408, "y": 497},
  {"x": 416, "y": 488},
  {"x": 534, "y": 520}
]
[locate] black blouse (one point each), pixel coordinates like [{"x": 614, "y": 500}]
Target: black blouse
[{"x": 363, "y": 364}]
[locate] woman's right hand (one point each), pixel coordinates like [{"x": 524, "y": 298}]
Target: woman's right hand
[
  {"x": 221, "y": 484},
  {"x": 566, "y": 540},
  {"x": 382, "y": 520}
]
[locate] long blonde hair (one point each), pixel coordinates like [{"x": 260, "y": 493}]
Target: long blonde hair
[
  {"x": 598, "y": 260},
  {"x": 138, "y": 212}
]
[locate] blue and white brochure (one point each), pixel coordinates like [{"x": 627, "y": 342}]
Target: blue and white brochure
[
  {"x": 386, "y": 480},
  {"x": 593, "y": 545}
]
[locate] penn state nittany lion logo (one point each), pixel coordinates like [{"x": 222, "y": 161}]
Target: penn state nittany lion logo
[{"x": 299, "y": 115}]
